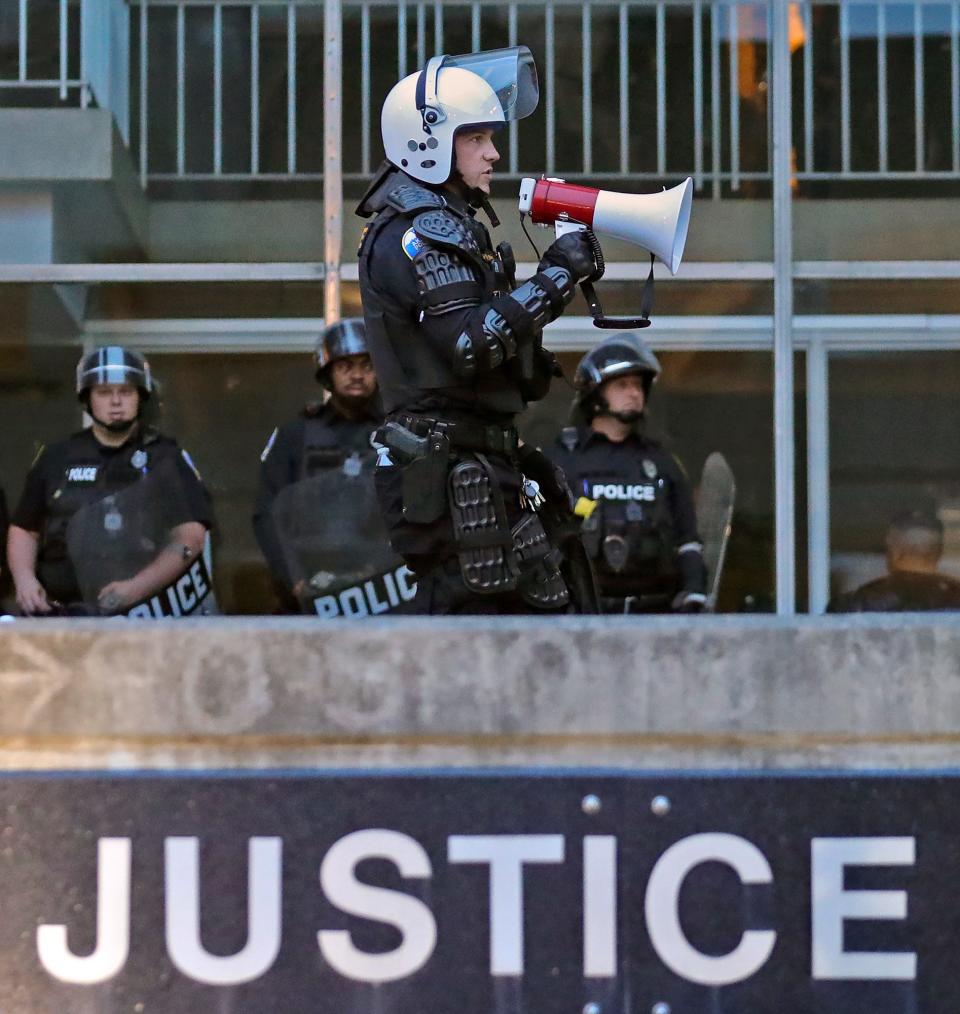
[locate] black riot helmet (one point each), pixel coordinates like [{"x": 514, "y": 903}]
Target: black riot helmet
[
  {"x": 113, "y": 364},
  {"x": 346, "y": 337},
  {"x": 617, "y": 356}
]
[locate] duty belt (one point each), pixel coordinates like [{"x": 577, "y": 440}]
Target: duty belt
[{"x": 466, "y": 436}]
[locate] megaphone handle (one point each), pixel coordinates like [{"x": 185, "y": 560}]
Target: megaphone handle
[
  {"x": 613, "y": 323},
  {"x": 646, "y": 301}
]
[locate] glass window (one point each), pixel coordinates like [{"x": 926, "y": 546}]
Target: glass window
[
  {"x": 223, "y": 408},
  {"x": 893, "y": 424}
]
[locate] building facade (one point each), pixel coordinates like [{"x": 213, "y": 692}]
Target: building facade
[{"x": 179, "y": 175}]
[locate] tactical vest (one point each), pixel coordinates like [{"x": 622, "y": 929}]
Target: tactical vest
[
  {"x": 54, "y": 569},
  {"x": 407, "y": 366},
  {"x": 630, "y": 534},
  {"x": 323, "y": 448}
]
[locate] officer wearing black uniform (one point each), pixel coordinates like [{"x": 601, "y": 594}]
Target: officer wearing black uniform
[
  {"x": 639, "y": 527},
  {"x": 322, "y": 437},
  {"x": 914, "y": 545},
  {"x": 114, "y": 453},
  {"x": 483, "y": 522}
]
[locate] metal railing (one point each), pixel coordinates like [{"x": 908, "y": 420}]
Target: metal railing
[
  {"x": 641, "y": 89},
  {"x": 609, "y": 84},
  {"x": 645, "y": 89},
  {"x": 36, "y": 50},
  {"x": 875, "y": 77},
  {"x": 66, "y": 52}
]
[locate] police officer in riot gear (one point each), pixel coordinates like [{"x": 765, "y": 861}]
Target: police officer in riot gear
[
  {"x": 482, "y": 521},
  {"x": 322, "y": 437},
  {"x": 117, "y": 451},
  {"x": 639, "y": 524}
]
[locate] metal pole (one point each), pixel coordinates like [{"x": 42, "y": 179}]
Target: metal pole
[
  {"x": 734, "y": 56},
  {"x": 217, "y": 89},
  {"x": 144, "y": 84},
  {"x": 254, "y": 89},
  {"x": 715, "y": 99},
  {"x": 818, "y": 475},
  {"x": 292, "y": 87},
  {"x": 783, "y": 316},
  {"x": 661, "y": 59},
  {"x": 64, "y": 29},
  {"x": 332, "y": 162},
  {"x": 22, "y": 32},
  {"x": 697, "y": 95},
  {"x": 181, "y": 91}
]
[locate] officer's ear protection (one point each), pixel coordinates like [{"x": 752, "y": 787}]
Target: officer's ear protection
[{"x": 428, "y": 105}]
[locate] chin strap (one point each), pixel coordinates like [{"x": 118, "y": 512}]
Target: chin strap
[
  {"x": 115, "y": 427},
  {"x": 487, "y": 207}
]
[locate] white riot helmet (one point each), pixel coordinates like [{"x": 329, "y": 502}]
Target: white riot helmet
[{"x": 423, "y": 112}]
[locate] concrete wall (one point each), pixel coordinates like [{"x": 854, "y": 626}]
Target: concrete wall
[{"x": 714, "y": 692}]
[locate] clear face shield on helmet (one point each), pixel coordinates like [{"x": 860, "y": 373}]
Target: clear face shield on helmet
[
  {"x": 423, "y": 112},
  {"x": 510, "y": 73}
]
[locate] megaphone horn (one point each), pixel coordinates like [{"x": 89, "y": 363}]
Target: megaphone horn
[{"x": 656, "y": 222}]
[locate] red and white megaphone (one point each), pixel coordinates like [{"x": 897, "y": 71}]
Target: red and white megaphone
[{"x": 656, "y": 222}]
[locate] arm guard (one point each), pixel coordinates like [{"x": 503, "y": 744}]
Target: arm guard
[{"x": 512, "y": 321}]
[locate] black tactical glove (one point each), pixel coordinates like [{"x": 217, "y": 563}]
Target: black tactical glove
[
  {"x": 573, "y": 251},
  {"x": 689, "y": 602}
]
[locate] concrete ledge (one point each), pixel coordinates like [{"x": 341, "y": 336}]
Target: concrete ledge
[
  {"x": 660, "y": 692},
  {"x": 56, "y": 144}
]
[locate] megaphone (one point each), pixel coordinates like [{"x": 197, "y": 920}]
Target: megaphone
[{"x": 656, "y": 222}]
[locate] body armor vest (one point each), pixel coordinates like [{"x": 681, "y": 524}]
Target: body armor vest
[
  {"x": 54, "y": 569},
  {"x": 320, "y": 447},
  {"x": 408, "y": 367},
  {"x": 630, "y": 535},
  {"x": 325, "y": 448}
]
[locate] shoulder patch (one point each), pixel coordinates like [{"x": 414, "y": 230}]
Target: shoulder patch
[
  {"x": 265, "y": 453},
  {"x": 410, "y": 197},
  {"x": 192, "y": 466},
  {"x": 411, "y": 243}
]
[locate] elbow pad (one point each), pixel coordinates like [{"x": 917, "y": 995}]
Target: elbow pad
[{"x": 512, "y": 321}]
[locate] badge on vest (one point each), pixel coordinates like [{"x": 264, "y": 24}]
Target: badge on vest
[
  {"x": 649, "y": 468},
  {"x": 412, "y": 244},
  {"x": 82, "y": 473}
]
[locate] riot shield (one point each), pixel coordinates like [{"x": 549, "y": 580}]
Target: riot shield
[
  {"x": 715, "y": 501},
  {"x": 335, "y": 546},
  {"x": 115, "y": 537}
]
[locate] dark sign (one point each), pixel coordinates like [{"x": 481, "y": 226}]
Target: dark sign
[{"x": 479, "y": 894}]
